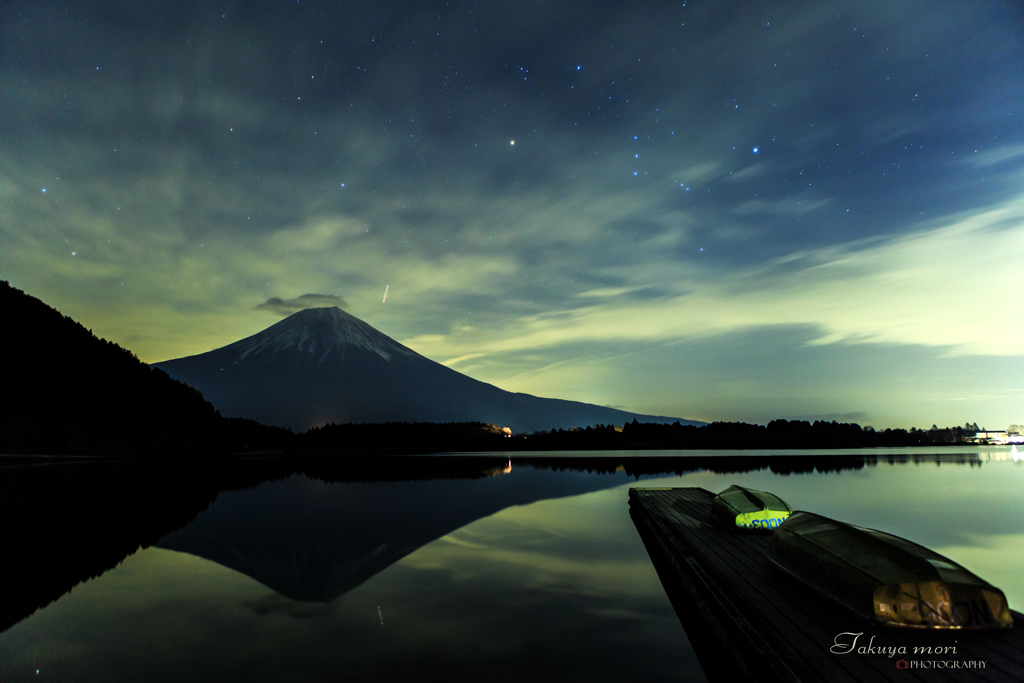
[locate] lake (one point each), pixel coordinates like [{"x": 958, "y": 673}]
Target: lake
[{"x": 495, "y": 567}]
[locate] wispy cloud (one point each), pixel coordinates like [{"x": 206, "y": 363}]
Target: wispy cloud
[
  {"x": 997, "y": 156},
  {"x": 607, "y": 292},
  {"x": 286, "y": 307},
  {"x": 795, "y": 205},
  {"x": 956, "y": 286}
]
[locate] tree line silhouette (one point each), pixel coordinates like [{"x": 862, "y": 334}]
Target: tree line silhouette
[
  {"x": 778, "y": 434},
  {"x": 67, "y": 391}
]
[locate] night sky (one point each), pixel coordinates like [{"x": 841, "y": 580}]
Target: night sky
[{"x": 716, "y": 210}]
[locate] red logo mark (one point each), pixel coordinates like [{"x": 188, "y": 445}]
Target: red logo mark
[{"x": 902, "y": 664}]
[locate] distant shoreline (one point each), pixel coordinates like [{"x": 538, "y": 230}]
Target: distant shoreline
[{"x": 930, "y": 452}]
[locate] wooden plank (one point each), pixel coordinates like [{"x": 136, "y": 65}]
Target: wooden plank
[{"x": 778, "y": 629}]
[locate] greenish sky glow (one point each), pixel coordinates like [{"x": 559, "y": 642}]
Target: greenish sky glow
[{"x": 721, "y": 211}]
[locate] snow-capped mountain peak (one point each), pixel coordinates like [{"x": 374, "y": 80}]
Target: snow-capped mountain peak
[{"x": 317, "y": 332}]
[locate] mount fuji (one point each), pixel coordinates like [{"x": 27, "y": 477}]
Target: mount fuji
[{"x": 323, "y": 365}]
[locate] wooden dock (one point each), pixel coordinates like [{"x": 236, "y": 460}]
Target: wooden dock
[{"x": 747, "y": 621}]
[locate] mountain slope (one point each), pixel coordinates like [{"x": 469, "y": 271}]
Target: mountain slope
[
  {"x": 324, "y": 365},
  {"x": 65, "y": 391}
]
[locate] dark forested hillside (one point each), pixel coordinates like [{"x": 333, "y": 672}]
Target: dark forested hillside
[{"x": 67, "y": 391}]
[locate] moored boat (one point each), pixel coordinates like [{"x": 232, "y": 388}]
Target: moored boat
[
  {"x": 885, "y": 578},
  {"x": 744, "y": 508}
]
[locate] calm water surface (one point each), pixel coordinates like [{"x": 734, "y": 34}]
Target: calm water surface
[{"x": 531, "y": 574}]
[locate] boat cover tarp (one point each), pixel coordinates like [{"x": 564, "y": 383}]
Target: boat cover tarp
[
  {"x": 745, "y": 508},
  {"x": 887, "y": 579}
]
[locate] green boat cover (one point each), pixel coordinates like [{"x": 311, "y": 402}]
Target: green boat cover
[
  {"x": 885, "y": 578},
  {"x": 748, "y": 509}
]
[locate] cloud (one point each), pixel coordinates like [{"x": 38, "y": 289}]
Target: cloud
[
  {"x": 272, "y": 603},
  {"x": 854, "y": 416},
  {"x": 697, "y": 173},
  {"x": 603, "y": 292},
  {"x": 285, "y": 307},
  {"x": 747, "y": 172},
  {"x": 451, "y": 362},
  {"x": 996, "y": 156},
  {"x": 796, "y": 205},
  {"x": 954, "y": 286}
]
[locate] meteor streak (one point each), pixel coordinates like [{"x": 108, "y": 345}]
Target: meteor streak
[{"x": 385, "y": 294}]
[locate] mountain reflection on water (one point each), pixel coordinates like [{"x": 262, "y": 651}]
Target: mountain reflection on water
[
  {"x": 530, "y": 564},
  {"x": 314, "y": 541}
]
